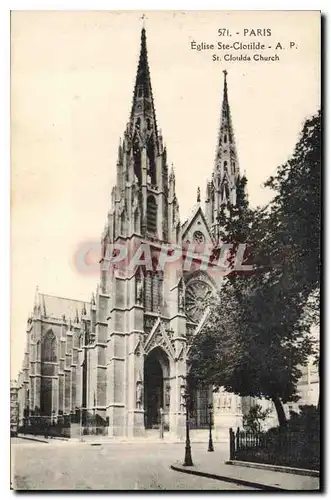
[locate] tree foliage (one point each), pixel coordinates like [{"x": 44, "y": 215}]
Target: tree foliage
[
  {"x": 258, "y": 332},
  {"x": 254, "y": 419}
]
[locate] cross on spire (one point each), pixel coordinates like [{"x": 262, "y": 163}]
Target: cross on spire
[
  {"x": 225, "y": 95},
  {"x": 143, "y": 17}
]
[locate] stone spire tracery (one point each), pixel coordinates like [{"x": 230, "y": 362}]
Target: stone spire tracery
[{"x": 222, "y": 187}]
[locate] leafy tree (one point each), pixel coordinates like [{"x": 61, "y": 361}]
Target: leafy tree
[
  {"x": 258, "y": 331},
  {"x": 296, "y": 211}
]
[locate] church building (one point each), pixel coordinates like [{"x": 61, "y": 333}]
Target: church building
[{"x": 121, "y": 358}]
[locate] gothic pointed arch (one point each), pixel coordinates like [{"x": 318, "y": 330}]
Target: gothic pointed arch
[
  {"x": 49, "y": 347},
  {"x": 151, "y": 159},
  {"x": 156, "y": 377},
  {"x": 153, "y": 291},
  {"x": 137, "y": 156},
  {"x": 226, "y": 191},
  {"x": 151, "y": 214},
  {"x": 159, "y": 338}
]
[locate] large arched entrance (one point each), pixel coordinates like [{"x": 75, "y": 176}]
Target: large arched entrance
[{"x": 156, "y": 383}]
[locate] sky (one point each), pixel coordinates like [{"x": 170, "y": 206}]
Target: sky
[{"x": 72, "y": 78}]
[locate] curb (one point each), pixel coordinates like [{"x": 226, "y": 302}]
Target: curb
[
  {"x": 227, "y": 479},
  {"x": 275, "y": 468},
  {"x": 31, "y": 439}
]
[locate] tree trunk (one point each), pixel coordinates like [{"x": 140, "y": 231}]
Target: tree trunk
[{"x": 280, "y": 411}]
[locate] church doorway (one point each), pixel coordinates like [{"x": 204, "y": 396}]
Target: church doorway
[{"x": 156, "y": 373}]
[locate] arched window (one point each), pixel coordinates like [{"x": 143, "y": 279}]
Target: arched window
[
  {"x": 148, "y": 292},
  {"x": 225, "y": 138},
  {"x": 38, "y": 351},
  {"x": 151, "y": 214},
  {"x": 48, "y": 347},
  {"x": 137, "y": 157},
  {"x": 151, "y": 160},
  {"x": 226, "y": 192},
  {"x": 153, "y": 292},
  {"x": 225, "y": 164}
]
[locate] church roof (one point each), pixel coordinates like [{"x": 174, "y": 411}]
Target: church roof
[
  {"x": 189, "y": 219},
  {"x": 56, "y": 307}
]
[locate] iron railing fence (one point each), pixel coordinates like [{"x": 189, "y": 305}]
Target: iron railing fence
[
  {"x": 199, "y": 417},
  {"x": 46, "y": 426},
  {"x": 277, "y": 447}
]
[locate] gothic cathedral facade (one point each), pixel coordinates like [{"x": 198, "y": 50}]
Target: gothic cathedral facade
[{"x": 122, "y": 357}]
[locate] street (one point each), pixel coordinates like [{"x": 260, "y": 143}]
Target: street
[{"x": 65, "y": 465}]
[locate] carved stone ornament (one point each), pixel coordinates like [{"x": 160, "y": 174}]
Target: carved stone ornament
[
  {"x": 181, "y": 299},
  {"x": 139, "y": 290},
  {"x": 139, "y": 394},
  {"x": 198, "y": 237},
  {"x": 197, "y": 299}
]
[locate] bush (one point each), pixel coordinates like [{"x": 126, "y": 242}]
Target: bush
[
  {"x": 298, "y": 443},
  {"x": 253, "y": 421}
]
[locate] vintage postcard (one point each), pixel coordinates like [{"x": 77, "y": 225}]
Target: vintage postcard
[{"x": 165, "y": 221}]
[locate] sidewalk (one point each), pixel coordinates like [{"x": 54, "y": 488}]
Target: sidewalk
[{"x": 212, "y": 465}]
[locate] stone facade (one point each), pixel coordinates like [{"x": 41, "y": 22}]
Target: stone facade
[{"x": 122, "y": 357}]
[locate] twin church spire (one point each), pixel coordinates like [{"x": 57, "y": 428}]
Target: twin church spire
[
  {"x": 143, "y": 104},
  {"x": 144, "y": 201},
  {"x": 221, "y": 189}
]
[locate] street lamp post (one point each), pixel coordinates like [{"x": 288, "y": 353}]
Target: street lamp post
[
  {"x": 161, "y": 423},
  {"x": 188, "y": 456},
  {"x": 210, "y": 443}
]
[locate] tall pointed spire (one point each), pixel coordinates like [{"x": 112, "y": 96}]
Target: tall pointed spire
[
  {"x": 143, "y": 201},
  {"x": 226, "y": 155},
  {"x": 143, "y": 105},
  {"x": 226, "y": 168},
  {"x": 225, "y": 90},
  {"x": 76, "y": 316},
  {"x": 37, "y": 302},
  {"x": 198, "y": 195}
]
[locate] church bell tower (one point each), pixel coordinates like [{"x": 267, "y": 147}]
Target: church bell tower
[
  {"x": 144, "y": 202},
  {"x": 140, "y": 318}
]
